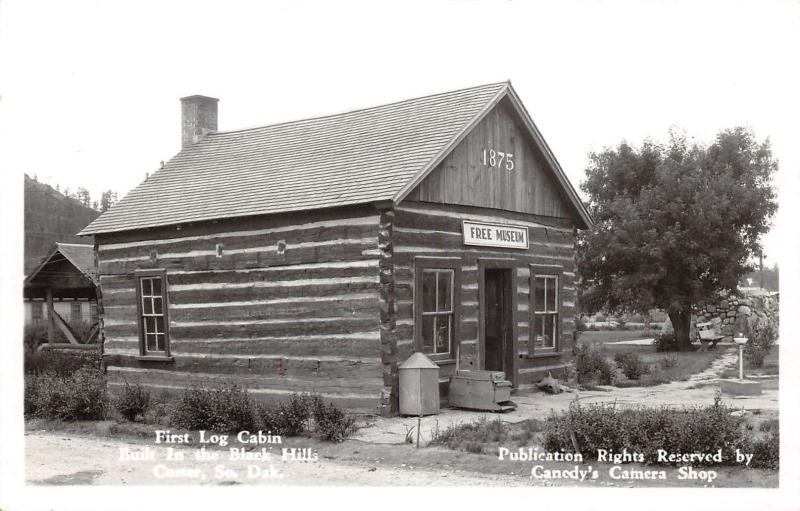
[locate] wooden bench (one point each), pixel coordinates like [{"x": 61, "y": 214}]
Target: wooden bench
[{"x": 705, "y": 331}]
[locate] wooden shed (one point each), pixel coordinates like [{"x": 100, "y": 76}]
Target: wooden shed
[
  {"x": 64, "y": 281},
  {"x": 318, "y": 255}
]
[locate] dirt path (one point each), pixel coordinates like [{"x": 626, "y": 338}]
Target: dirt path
[
  {"x": 699, "y": 389},
  {"x": 58, "y": 458}
]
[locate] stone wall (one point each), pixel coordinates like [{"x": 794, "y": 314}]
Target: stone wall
[{"x": 732, "y": 315}]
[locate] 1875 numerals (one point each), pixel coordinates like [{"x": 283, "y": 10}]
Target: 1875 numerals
[{"x": 497, "y": 159}]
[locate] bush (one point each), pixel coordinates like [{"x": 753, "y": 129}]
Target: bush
[
  {"x": 331, "y": 423},
  {"x": 580, "y": 324},
  {"x": 666, "y": 342},
  {"x": 645, "y": 430},
  {"x": 669, "y": 361},
  {"x": 61, "y": 362},
  {"x": 225, "y": 408},
  {"x": 132, "y": 401},
  {"x": 759, "y": 345},
  {"x": 78, "y": 396},
  {"x": 766, "y": 451},
  {"x": 592, "y": 365},
  {"x": 631, "y": 365}
]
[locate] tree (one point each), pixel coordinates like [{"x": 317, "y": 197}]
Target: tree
[
  {"x": 83, "y": 196},
  {"x": 107, "y": 199},
  {"x": 674, "y": 224}
]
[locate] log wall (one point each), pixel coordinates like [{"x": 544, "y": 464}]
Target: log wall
[
  {"x": 426, "y": 229},
  {"x": 307, "y": 319}
]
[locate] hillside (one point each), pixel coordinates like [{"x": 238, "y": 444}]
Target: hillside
[{"x": 51, "y": 217}]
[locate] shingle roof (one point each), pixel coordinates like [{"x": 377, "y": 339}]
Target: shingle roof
[
  {"x": 80, "y": 256},
  {"x": 350, "y": 158}
]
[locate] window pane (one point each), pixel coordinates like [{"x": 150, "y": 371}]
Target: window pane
[
  {"x": 443, "y": 329},
  {"x": 157, "y": 306},
  {"x": 147, "y": 287},
  {"x": 147, "y": 305},
  {"x": 428, "y": 291},
  {"x": 538, "y": 331},
  {"x": 551, "y": 295},
  {"x": 445, "y": 298},
  {"x": 75, "y": 311},
  {"x": 159, "y": 324},
  {"x": 427, "y": 333},
  {"x": 156, "y": 287},
  {"x": 549, "y": 331},
  {"x": 150, "y": 342},
  {"x": 149, "y": 325},
  {"x": 538, "y": 294},
  {"x": 160, "y": 342}
]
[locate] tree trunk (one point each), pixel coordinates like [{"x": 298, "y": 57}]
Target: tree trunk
[{"x": 681, "y": 323}]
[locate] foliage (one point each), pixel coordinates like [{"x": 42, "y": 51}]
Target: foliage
[
  {"x": 225, "y": 408},
  {"x": 674, "y": 223},
  {"x": 631, "y": 364},
  {"x": 665, "y": 341},
  {"x": 766, "y": 450},
  {"x": 592, "y": 365},
  {"x": 132, "y": 401},
  {"x": 580, "y": 324},
  {"x": 292, "y": 415},
  {"x": 760, "y": 344},
  {"x": 483, "y": 433},
  {"x": 645, "y": 430},
  {"x": 331, "y": 423},
  {"x": 306, "y": 413},
  {"x": 61, "y": 362},
  {"x": 80, "y": 395}
]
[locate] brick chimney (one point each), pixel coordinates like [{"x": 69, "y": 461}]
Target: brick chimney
[{"x": 198, "y": 117}]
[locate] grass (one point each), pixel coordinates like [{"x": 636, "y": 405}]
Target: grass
[
  {"x": 771, "y": 366},
  {"x": 484, "y": 435},
  {"x": 664, "y": 367}
]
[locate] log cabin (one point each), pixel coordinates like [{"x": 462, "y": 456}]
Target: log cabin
[{"x": 318, "y": 255}]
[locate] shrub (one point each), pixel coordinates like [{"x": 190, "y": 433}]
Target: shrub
[
  {"x": 766, "y": 451},
  {"x": 132, "y": 401},
  {"x": 665, "y": 341},
  {"x": 293, "y": 414},
  {"x": 599, "y": 317},
  {"x": 331, "y": 423},
  {"x": 669, "y": 361},
  {"x": 61, "y": 362},
  {"x": 580, "y": 324},
  {"x": 78, "y": 396},
  {"x": 591, "y": 364},
  {"x": 631, "y": 364},
  {"x": 760, "y": 344},
  {"x": 225, "y": 408},
  {"x": 645, "y": 430}
]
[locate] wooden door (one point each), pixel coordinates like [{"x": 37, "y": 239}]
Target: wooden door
[{"x": 497, "y": 322}]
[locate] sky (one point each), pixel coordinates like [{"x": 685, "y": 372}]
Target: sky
[{"x": 90, "y": 89}]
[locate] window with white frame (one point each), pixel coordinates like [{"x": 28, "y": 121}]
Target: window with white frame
[
  {"x": 545, "y": 311},
  {"x": 154, "y": 337},
  {"x": 436, "y": 312}
]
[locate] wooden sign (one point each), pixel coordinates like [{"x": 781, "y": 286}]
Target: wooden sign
[{"x": 495, "y": 235}]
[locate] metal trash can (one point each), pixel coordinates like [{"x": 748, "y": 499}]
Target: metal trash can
[{"x": 419, "y": 386}]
